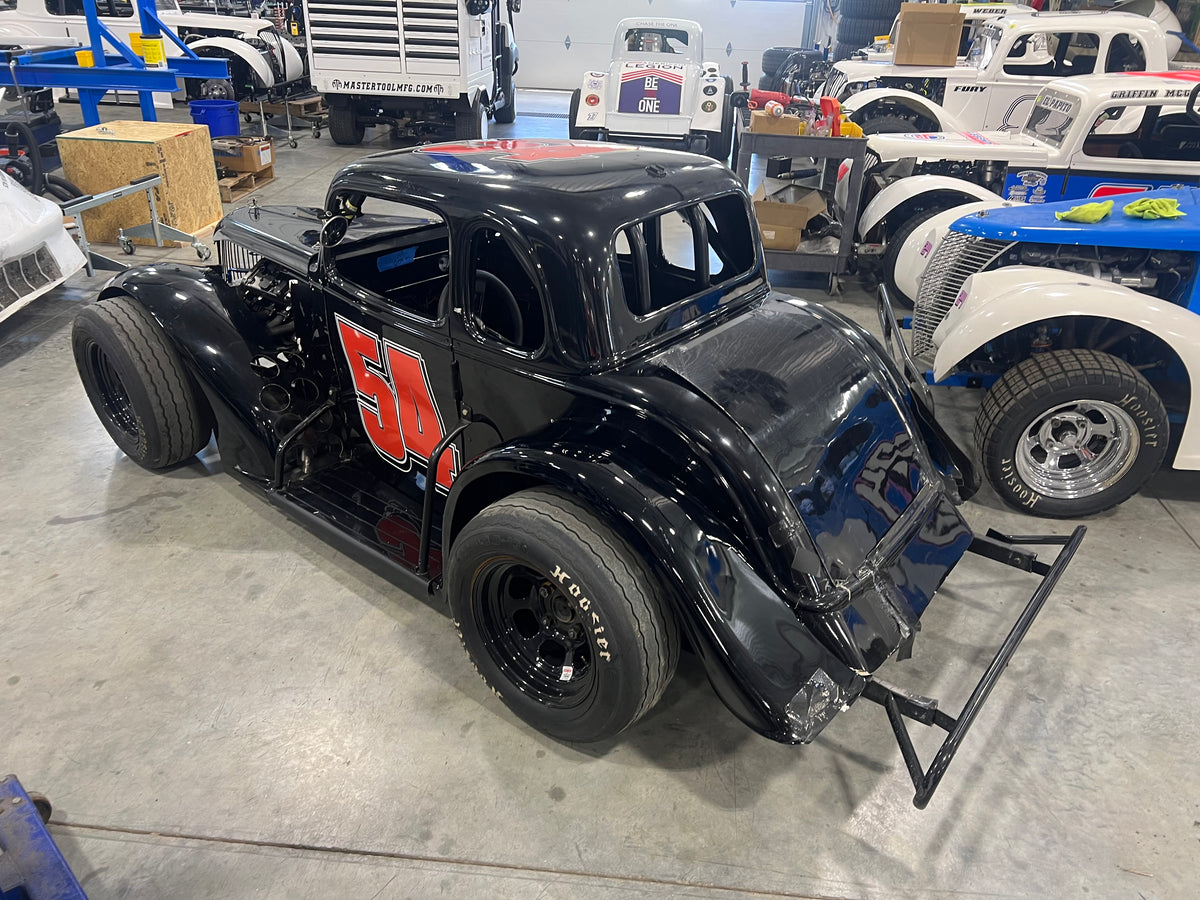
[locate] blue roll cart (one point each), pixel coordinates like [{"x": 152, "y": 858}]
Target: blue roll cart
[{"x": 31, "y": 865}]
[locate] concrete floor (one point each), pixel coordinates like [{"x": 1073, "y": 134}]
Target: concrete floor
[{"x": 221, "y": 705}]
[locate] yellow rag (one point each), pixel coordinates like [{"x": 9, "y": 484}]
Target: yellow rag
[
  {"x": 1154, "y": 208},
  {"x": 1091, "y": 213}
]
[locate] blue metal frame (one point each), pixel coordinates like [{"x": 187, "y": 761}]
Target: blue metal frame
[
  {"x": 31, "y": 865},
  {"x": 123, "y": 71}
]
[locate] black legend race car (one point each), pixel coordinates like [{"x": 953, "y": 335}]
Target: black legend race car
[{"x": 549, "y": 381}]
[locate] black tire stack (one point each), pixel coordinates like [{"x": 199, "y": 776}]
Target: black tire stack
[{"x": 860, "y": 21}]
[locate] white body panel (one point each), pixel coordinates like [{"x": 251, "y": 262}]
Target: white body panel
[
  {"x": 946, "y": 120},
  {"x": 438, "y": 55},
  {"x": 966, "y": 145},
  {"x": 997, "y": 302},
  {"x": 32, "y": 222},
  {"x": 232, "y": 47},
  {"x": 627, "y": 100},
  {"x": 983, "y": 91},
  {"x": 916, "y": 252},
  {"x": 905, "y": 189}
]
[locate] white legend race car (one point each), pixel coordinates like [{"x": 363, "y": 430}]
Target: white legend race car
[
  {"x": 36, "y": 253},
  {"x": 658, "y": 91}
]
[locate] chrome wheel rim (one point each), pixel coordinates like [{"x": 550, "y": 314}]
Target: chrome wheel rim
[{"x": 1077, "y": 449}]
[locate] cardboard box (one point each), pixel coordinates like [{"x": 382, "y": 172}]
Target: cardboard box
[
  {"x": 928, "y": 34},
  {"x": 783, "y": 214},
  {"x": 762, "y": 122},
  {"x": 244, "y": 154},
  {"x": 111, "y": 155}
]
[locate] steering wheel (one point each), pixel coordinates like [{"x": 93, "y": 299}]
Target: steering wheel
[
  {"x": 1130, "y": 150},
  {"x": 487, "y": 284}
]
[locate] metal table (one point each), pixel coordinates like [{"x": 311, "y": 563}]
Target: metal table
[{"x": 750, "y": 143}]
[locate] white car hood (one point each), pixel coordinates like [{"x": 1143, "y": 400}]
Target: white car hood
[
  {"x": 1002, "y": 145},
  {"x": 865, "y": 69}
]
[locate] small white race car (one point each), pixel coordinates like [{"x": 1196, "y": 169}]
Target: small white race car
[
  {"x": 36, "y": 253},
  {"x": 994, "y": 85},
  {"x": 658, "y": 91}
]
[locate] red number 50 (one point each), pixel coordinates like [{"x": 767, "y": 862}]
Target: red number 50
[{"x": 395, "y": 401}]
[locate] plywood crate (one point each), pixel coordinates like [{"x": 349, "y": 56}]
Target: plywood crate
[{"x": 111, "y": 155}]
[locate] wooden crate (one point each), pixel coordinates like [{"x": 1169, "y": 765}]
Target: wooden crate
[
  {"x": 235, "y": 187},
  {"x": 108, "y": 156}
]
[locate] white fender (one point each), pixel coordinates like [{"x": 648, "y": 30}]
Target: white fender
[
  {"x": 905, "y": 189},
  {"x": 243, "y": 51},
  {"x": 863, "y": 99},
  {"x": 33, "y": 222},
  {"x": 996, "y": 302},
  {"x": 915, "y": 253},
  {"x": 285, "y": 53}
]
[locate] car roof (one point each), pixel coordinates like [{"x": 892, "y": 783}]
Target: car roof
[
  {"x": 1082, "y": 20},
  {"x": 661, "y": 22},
  {"x": 1175, "y": 86},
  {"x": 578, "y": 191}
]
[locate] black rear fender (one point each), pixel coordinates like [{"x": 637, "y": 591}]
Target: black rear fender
[{"x": 757, "y": 653}]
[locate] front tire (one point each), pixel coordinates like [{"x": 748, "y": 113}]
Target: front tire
[
  {"x": 144, "y": 397},
  {"x": 561, "y": 617},
  {"x": 1070, "y": 433}
]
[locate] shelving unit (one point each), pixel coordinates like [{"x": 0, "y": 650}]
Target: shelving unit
[{"x": 817, "y": 149}]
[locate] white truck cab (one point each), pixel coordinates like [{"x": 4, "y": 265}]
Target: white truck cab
[
  {"x": 658, "y": 90},
  {"x": 994, "y": 85}
]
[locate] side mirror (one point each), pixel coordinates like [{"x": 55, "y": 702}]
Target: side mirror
[{"x": 332, "y": 232}]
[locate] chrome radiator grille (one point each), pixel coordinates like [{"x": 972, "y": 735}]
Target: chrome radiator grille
[
  {"x": 235, "y": 262},
  {"x": 341, "y": 28},
  {"x": 22, "y": 276},
  {"x": 957, "y": 258}
]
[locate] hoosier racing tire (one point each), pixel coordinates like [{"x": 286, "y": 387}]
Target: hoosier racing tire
[
  {"x": 1070, "y": 433},
  {"x": 560, "y": 616}
]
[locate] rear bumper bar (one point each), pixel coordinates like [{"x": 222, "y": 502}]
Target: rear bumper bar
[{"x": 901, "y": 705}]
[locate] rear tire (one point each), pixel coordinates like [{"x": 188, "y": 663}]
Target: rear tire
[
  {"x": 471, "y": 121},
  {"x": 344, "y": 127},
  {"x": 1070, "y": 433},
  {"x": 889, "y": 125},
  {"x": 144, "y": 397},
  {"x": 560, "y": 616},
  {"x": 774, "y": 57}
]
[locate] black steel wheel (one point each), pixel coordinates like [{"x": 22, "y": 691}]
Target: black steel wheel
[
  {"x": 1070, "y": 433},
  {"x": 560, "y": 616},
  {"x": 146, "y": 400},
  {"x": 344, "y": 126}
]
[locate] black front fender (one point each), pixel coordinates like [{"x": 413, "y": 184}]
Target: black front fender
[{"x": 759, "y": 656}]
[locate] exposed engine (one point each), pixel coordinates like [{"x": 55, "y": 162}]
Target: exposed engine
[
  {"x": 1160, "y": 273},
  {"x": 988, "y": 173}
]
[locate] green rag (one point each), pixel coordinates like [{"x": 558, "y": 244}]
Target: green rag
[
  {"x": 1154, "y": 208},
  {"x": 1091, "y": 213}
]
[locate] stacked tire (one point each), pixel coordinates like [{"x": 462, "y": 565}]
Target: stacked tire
[
  {"x": 860, "y": 22},
  {"x": 794, "y": 59}
]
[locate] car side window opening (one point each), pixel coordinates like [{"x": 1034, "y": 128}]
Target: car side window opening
[
  {"x": 109, "y": 8},
  {"x": 503, "y": 303},
  {"x": 398, "y": 252},
  {"x": 1125, "y": 54},
  {"x": 1166, "y": 134},
  {"x": 683, "y": 253},
  {"x": 1053, "y": 54}
]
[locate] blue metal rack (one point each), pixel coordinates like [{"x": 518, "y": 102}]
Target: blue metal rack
[
  {"x": 31, "y": 865},
  {"x": 120, "y": 71}
]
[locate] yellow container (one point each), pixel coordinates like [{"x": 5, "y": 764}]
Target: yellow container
[
  {"x": 84, "y": 59},
  {"x": 135, "y": 43}
]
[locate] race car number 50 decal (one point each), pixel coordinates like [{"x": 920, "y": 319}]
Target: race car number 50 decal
[{"x": 395, "y": 401}]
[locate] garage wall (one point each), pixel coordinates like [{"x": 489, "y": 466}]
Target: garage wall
[{"x": 561, "y": 39}]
